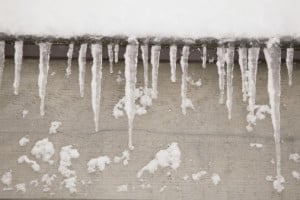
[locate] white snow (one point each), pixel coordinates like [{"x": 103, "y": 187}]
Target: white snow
[
  {"x": 257, "y": 112},
  {"x": 198, "y": 175},
  {"x": 98, "y": 164},
  {"x": 278, "y": 183},
  {"x": 18, "y": 65},
  {"x": 296, "y": 175},
  {"x": 215, "y": 178},
  {"x": 173, "y": 60},
  {"x": 23, "y": 141},
  {"x": 82, "y": 67},
  {"x": 116, "y": 51},
  {"x": 243, "y": 66},
  {"x": 34, "y": 165},
  {"x": 269, "y": 178},
  {"x": 125, "y": 157},
  {"x": 43, "y": 149},
  {"x": 2, "y": 60},
  {"x": 122, "y": 188},
  {"x": 70, "y": 55},
  {"x": 21, "y": 187},
  {"x": 185, "y": 177},
  {"x": 289, "y": 64},
  {"x": 256, "y": 145},
  {"x": 34, "y": 182},
  {"x": 54, "y": 126},
  {"x": 221, "y": 51},
  {"x": 294, "y": 157},
  {"x": 155, "y": 55},
  {"x": 162, "y": 188},
  {"x": 6, "y": 178},
  {"x": 229, "y": 58},
  {"x": 70, "y": 184},
  {"x": 24, "y": 113},
  {"x": 47, "y": 180},
  {"x": 145, "y": 57}
]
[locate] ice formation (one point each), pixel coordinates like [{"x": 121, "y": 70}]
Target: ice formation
[
  {"x": 110, "y": 57},
  {"x": 170, "y": 157},
  {"x": 54, "y": 126},
  {"x": 96, "y": 81},
  {"x": 204, "y": 55},
  {"x": 47, "y": 180},
  {"x": 296, "y": 175},
  {"x": 98, "y": 164},
  {"x": 289, "y": 64},
  {"x": 2, "y": 60},
  {"x": 21, "y": 187},
  {"x": 82, "y": 67},
  {"x": 145, "y": 49},
  {"x": 173, "y": 60},
  {"x": 215, "y": 178},
  {"x": 162, "y": 188},
  {"x": 34, "y": 165},
  {"x": 116, "y": 50},
  {"x": 43, "y": 73},
  {"x": 43, "y": 149},
  {"x": 23, "y": 141},
  {"x": 125, "y": 157},
  {"x": 229, "y": 58},
  {"x": 294, "y": 157},
  {"x": 221, "y": 51},
  {"x": 24, "y": 113},
  {"x": 7, "y": 178},
  {"x": 18, "y": 65},
  {"x": 259, "y": 112},
  {"x": 122, "y": 188},
  {"x": 243, "y": 66},
  {"x": 256, "y": 145},
  {"x": 155, "y": 55},
  {"x": 70, "y": 184},
  {"x": 198, "y": 175},
  {"x": 34, "y": 182},
  {"x": 70, "y": 55}
]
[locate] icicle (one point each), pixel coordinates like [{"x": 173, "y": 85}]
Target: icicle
[
  {"x": 116, "y": 50},
  {"x": 173, "y": 58},
  {"x": 18, "y": 65},
  {"x": 110, "y": 57},
  {"x": 96, "y": 81},
  {"x": 144, "y": 49},
  {"x": 230, "y": 64},
  {"x": 289, "y": 63},
  {"x": 43, "y": 74},
  {"x": 2, "y": 60},
  {"x": 155, "y": 54},
  {"x": 273, "y": 57},
  {"x": 82, "y": 67},
  {"x": 130, "y": 87},
  {"x": 243, "y": 67},
  {"x": 204, "y": 55},
  {"x": 70, "y": 55},
  {"x": 221, "y": 71}
]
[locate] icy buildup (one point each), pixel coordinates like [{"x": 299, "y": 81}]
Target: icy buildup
[
  {"x": 24, "y": 113},
  {"x": 98, "y": 164},
  {"x": 23, "y": 141},
  {"x": 43, "y": 74},
  {"x": 6, "y": 179},
  {"x": 289, "y": 64},
  {"x": 221, "y": 51},
  {"x": 296, "y": 175},
  {"x": 204, "y": 55},
  {"x": 194, "y": 83},
  {"x": 215, "y": 178},
  {"x": 110, "y": 57},
  {"x": 145, "y": 49},
  {"x": 54, "y": 126},
  {"x": 48, "y": 181},
  {"x": 155, "y": 55},
  {"x": 70, "y": 55},
  {"x": 82, "y": 67},
  {"x": 162, "y": 188},
  {"x": 43, "y": 149},
  {"x": 116, "y": 50},
  {"x": 273, "y": 57},
  {"x": 243, "y": 66},
  {"x": 185, "y": 102},
  {"x": 70, "y": 184},
  {"x": 122, "y": 188},
  {"x": 170, "y": 157},
  {"x": 96, "y": 82},
  {"x": 125, "y": 157},
  {"x": 198, "y": 175},
  {"x": 34, "y": 165},
  {"x": 2, "y": 59},
  {"x": 18, "y": 65},
  {"x": 230, "y": 64},
  {"x": 34, "y": 182},
  {"x": 130, "y": 87},
  {"x": 259, "y": 112},
  {"x": 294, "y": 157},
  {"x": 173, "y": 59},
  {"x": 256, "y": 145},
  {"x": 21, "y": 187}
]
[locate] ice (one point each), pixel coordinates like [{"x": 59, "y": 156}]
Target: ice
[
  {"x": 289, "y": 64},
  {"x": 24, "y": 113},
  {"x": 23, "y": 141},
  {"x": 21, "y": 187},
  {"x": 34, "y": 165},
  {"x": 48, "y": 181},
  {"x": 130, "y": 87},
  {"x": 273, "y": 58},
  {"x": 6, "y": 178},
  {"x": 82, "y": 67},
  {"x": 54, "y": 126},
  {"x": 125, "y": 157},
  {"x": 43, "y": 149},
  {"x": 230, "y": 64},
  {"x": 259, "y": 112},
  {"x": 269, "y": 178},
  {"x": 116, "y": 50},
  {"x": 185, "y": 102},
  {"x": 294, "y": 157},
  {"x": 204, "y": 55},
  {"x": 110, "y": 57},
  {"x": 155, "y": 55},
  {"x": 215, "y": 178},
  {"x": 34, "y": 182},
  {"x": 243, "y": 66},
  {"x": 145, "y": 49},
  {"x": 70, "y": 184},
  {"x": 70, "y": 55},
  {"x": 18, "y": 65},
  {"x": 198, "y": 175},
  {"x": 98, "y": 164},
  {"x": 221, "y": 71},
  {"x": 2, "y": 60},
  {"x": 173, "y": 60},
  {"x": 96, "y": 81},
  {"x": 256, "y": 145},
  {"x": 122, "y": 188},
  {"x": 296, "y": 175},
  {"x": 43, "y": 73}
]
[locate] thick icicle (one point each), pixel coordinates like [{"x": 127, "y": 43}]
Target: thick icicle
[
  {"x": 221, "y": 71},
  {"x": 2, "y": 60},
  {"x": 116, "y": 50},
  {"x": 145, "y": 49},
  {"x": 273, "y": 57},
  {"x": 155, "y": 54},
  {"x": 130, "y": 87},
  {"x": 289, "y": 63},
  {"x": 110, "y": 57},
  {"x": 82, "y": 67},
  {"x": 204, "y": 55},
  {"x": 173, "y": 58},
  {"x": 18, "y": 65},
  {"x": 96, "y": 81},
  {"x": 43, "y": 73},
  {"x": 70, "y": 55},
  {"x": 243, "y": 66},
  {"x": 230, "y": 64}
]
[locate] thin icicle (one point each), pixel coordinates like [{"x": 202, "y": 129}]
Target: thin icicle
[
  {"x": 18, "y": 65},
  {"x": 116, "y": 50},
  {"x": 273, "y": 57},
  {"x": 82, "y": 67},
  {"x": 230, "y": 64},
  {"x": 243, "y": 67},
  {"x": 155, "y": 54},
  {"x": 2, "y": 60},
  {"x": 145, "y": 49},
  {"x": 43, "y": 73},
  {"x": 173, "y": 58},
  {"x": 204, "y": 55},
  {"x": 70, "y": 55},
  {"x": 96, "y": 81},
  {"x": 130, "y": 87},
  {"x": 110, "y": 57},
  {"x": 221, "y": 71},
  {"x": 289, "y": 63}
]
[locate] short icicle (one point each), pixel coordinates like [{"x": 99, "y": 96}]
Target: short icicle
[
  {"x": 145, "y": 49},
  {"x": 155, "y": 55},
  {"x": 243, "y": 66},
  {"x": 116, "y": 51},
  {"x": 230, "y": 64},
  {"x": 289, "y": 63},
  {"x": 221, "y": 71},
  {"x": 173, "y": 59},
  {"x": 2, "y": 60},
  {"x": 82, "y": 67},
  {"x": 110, "y": 57},
  {"x": 18, "y": 65},
  {"x": 70, "y": 55},
  {"x": 204, "y": 55}
]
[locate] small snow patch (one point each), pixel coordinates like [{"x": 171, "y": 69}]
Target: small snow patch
[
  {"x": 256, "y": 145},
  {"x": 296, "y": 175},
  {"x": 47, "y": 180},
  {"x": 23, "y": 141},
  {"x": 34, "y": 182},
  {"x": 21, "y": 187},
  {"x": 98, "y": 163},
  {"x": 269, "y": 178},
  {"x": 278, "y": 184},
  {"x": 43, "y": 149},
  {"x": 54, "y": 126},
  {"x": 294, "y": 157},
  {"x": 24, "y": 113},
  {"x": 125, "y": 157},
  {"x": 198, "y": 175},
  {"x": 70, "y": 184},
  {"x": 6, "y": 178},
  {"x": 215, "y": 178},
  {"x": 34, "y": 165},
  {"x": 122, "y": 188},
  {"x": 162, "y": 188},
  {"x": 186, "y": 177}
]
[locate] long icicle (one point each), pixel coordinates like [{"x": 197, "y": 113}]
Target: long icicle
[
  {"x": 204, "y": 55},
  {"x": 273, "y": 58},
  {"x": 243, "y": 66},
  {"x": 173, "y": 58},
  {"x": 2, "y": 60},
  {"x": 96, "y": 81},
  {"x": 116, "y": 50},
  {"x": 145, "y": 49},
  {"x": 82, "y": 67},
  {"x": 253, "y": 54},
  {"x": 221, "y": 71},
  {"x": 45, "y": 48},
  {"x": 18, "y": 65},
  {"x": 230, "y": 64},
  {"x": 130, "y": 76},
  {"x": 110, "y": 57},
  {"x": 289, "y": 64},
  {"x": 155, "y": 54},
  {"x": 70, "y": 55}
]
